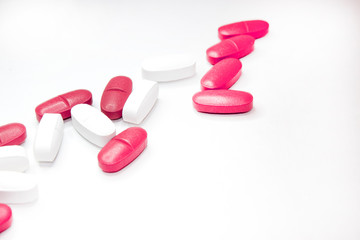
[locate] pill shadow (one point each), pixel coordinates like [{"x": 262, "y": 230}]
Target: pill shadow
[{"x": 228, "y": 116}]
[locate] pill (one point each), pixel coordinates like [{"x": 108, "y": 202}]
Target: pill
[
  {"x": 122, "y": 149},
  {"x": 115, "y": 95},
  {"x": 16, "y": 187},
  {"x": 140, "y": 101},
  {"x": 236, "y": 47},
  {"x": 223, "y": 101},
  {"x": 13, "y": 158},
  {"x": 92, "y": 124},
  {"x": 48, "y": 137},
  {"x": 5, "y": 217},
  {"x": 168, "y": 67},
  {"x": 222, "y": 75},
  {"x": 62, "y": 104},
  {"x": 12, "y": 134},
  {"x": 254, "y": 28}
]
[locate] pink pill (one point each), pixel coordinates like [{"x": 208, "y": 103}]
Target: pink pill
[
  {"x": 12, "y": 134},
  {"x": 222, "y": 75},
  {"x": 236, "y": 47},
  {"x": 223, "y": 101},
  {"x": 5, "y": 217},
  {"x": 254, "y": 28}
]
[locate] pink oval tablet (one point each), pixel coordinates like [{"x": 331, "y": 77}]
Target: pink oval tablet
[
  {"x": 12, "y": 134},
  {"x": 115, "y": 95},
  {"x": 236, "y": 47},
  {"x": 223, "y": 101},
  {"x": 62, "y": 104},
  {"x": 222, "y": 75},
  {"x": 122, "y": 149},
  {"x": 5, "y": 217},
  {"x": 254, "y": 28}
]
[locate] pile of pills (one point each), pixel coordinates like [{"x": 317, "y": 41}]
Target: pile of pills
[{"x": 120, "y": 99}]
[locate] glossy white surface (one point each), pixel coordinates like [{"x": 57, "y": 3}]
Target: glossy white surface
[{"x": 13, "y": 158}]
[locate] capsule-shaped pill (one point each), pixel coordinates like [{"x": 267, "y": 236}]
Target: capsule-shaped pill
[
  {"x": 223, "y": 101},
  {"x": 122, "y": 149},
  {"x": 12, "y": 134},
  {"x": 254, "y": 28},
  {"x": 115, "y": 95},
  {"x": 5, "y": 217},
  {"x": 222, "y": 75},
  {"x": 62, "y": 104},
  {"x": 13, "y": 158},
  {"x": 236, "y": 47}
]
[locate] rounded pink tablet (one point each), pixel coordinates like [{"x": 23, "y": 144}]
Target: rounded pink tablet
[
  {"x": 115, "y": 95},
  {"x": 222, "y": 75},
  {"x": 12, "y": 134},
  {"x": 63, "y": 103},
  {"x": 254, "y": 28},
  {"x": 5, "y": 217},
  {"x": 236, "y": 47},
  {"x": 223, "y": 101},
  {"x": 122, "y": 149}
]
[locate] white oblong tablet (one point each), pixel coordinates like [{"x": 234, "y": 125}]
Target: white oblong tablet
[
  {"x": 48, "y": 137},
  {"x": 17, "y": 187},
  {"x": 168, "y": 67},
  {"x": 13, "y": 158},
  {"x": 92, "y": 124},
  {"x": 141, "y": 101}
]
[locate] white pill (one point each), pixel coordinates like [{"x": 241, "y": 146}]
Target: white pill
[
  {"x": 168, "y": 67},
  {"x": 13, "y": 158},
  {"x": 17, "y": 187},
  {"x": 48, "y": 138},
  {"x": 92, "y": 124},
  {"x": 141, "y": 101}
]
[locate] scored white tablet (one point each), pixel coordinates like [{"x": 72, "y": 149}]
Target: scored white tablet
[
  {"x": 92, "y": 124},
  {"x": 49, "y": 137},
  {"x": 168, "y": 67},
  {"x": 13, "y": 158}
]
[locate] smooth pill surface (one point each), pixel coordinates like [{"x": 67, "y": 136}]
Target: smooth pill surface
[
  {"x": 254, "y": 28},
  {"x": 122, "y": 149},
  {"x": 48, "y": 137},
  {"x": 141, "y": 101},
  {"x": 223, "y": 101},
  {"x": 236, "y": 47},
  {"x": 62, "y": 104},
  {"x": 92, "y": 124},
  {"x": 168, "y": 67},
  {"x": 13, "y": 158},
  {"x": 17, "y": 187},
  {"x": 5, "y": 217},
  {"x": 222, "y": 75},
  {"x": 12, "y": 134},
  {"x": 115, "y": 95}
]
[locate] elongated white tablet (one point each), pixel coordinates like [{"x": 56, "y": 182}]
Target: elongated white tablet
[
  {"x": 13, "y": 158},
  {"x": 17, "y": 187},
  {"x": 168, "y": 67},
  {"x": 92, "y": 124},
  {"x": 141, "y": 101},
  {"x": 49, "y": 137}
]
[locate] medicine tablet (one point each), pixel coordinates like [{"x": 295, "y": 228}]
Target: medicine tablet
[
  {"x": 168, "y": 67},
  {"x": 140, "y": 101},
  {"x": 254, "y": 28},
  {"x": 122, "y": 149},
  {"x": 17, "y": 187},
  {"x": 48, "y": 137},
  {"x": 5, "y": 217},
  {"x": 13, "y": 158},
  {"x": 12, "y": 134},
  {"x": 115, "y": 95},
  {"x": 223, "y": 101},
  {"x": 236, "y": 47},
  {"x": 222, "y": 75},
  {"x": 92, "y": 124},
  {"x": 62, "y": 104}
]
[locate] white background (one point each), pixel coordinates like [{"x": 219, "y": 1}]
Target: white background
[{"x": 289, "y": 169}]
